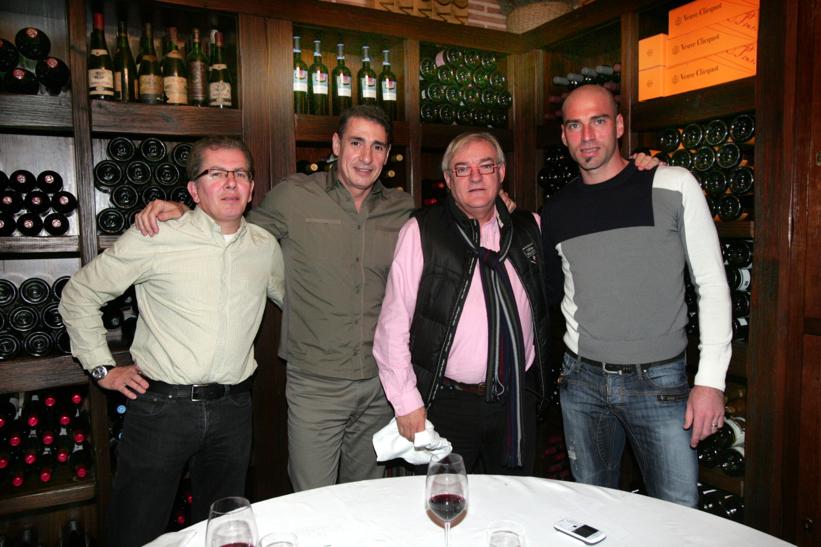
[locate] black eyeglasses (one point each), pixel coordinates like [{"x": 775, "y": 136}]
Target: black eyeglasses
[
  {"x": 216, "y": 174},
  {"x": 463, "y": 169}
]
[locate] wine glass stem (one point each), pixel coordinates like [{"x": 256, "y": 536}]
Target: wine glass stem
[{"x": 447, "y": 532}]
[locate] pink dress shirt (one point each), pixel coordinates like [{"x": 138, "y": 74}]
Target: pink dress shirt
[{"x": 467, "y": 361}]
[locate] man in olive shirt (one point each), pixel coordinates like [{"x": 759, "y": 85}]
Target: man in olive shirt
[
  {"x": 201, "y": 286},
  {"x": 338, "y": 231}
]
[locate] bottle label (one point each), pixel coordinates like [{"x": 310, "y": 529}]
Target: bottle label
[
  {"x": 319, "y": 83},
  {"x": 99, "y": 52},
  {"x": 300, "y": 79},
  {"x": 344, "y": 85},
  {"x": 151, "y": 86},
  {"x": 219, "y": 66},
  {"x": 176, "y": 89},
  {"x": 219, "y": 94},
  {"x": 174, "y": 54},
  {"x": 197, "y": 71},
  {"x": 389, "y": 90},
  {"x": 101, "y": 81},
  {"x": 744, "y": 281},
  {"x": 368, "y": 85}
]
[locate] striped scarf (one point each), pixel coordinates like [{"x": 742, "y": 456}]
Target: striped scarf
[{"x": 506, "y": 354}]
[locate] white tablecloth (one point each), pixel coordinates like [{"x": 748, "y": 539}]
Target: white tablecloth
[{"x": 391, "y": 512}]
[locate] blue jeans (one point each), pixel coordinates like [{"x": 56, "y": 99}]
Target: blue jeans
[
  {"x": 645, "y": 405},
  {"x": 160, "y": 436}
]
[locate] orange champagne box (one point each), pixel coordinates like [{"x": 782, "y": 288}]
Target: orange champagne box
[
  {"x": 729, "y": 34},
  {"x": 703, "y": 13},
  {"x": 651, "y": 83},
  {"x": 705, "y": 72},
  {"x": 653, "y": 52}
]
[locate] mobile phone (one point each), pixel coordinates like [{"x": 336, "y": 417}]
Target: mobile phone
[{"x": 580, "y": 531}]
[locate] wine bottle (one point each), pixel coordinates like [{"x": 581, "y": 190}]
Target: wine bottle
[
  {"x": 739, "y": 253},
  {"x": 57, "y": 287},
  {"x": 125, "y": 71},
  {"x": 4, "y": 180},
  {"x": 166, "y": 174},
  {"x": 180, "y": 194},
  {"x": 731, "y": 155},
  {"x": 445, "y": 75},
  {"x": 704, "y": 159},
  {"x": 462, "y": 76},
  {"x": 9, "y": 57},
  {"x": 498, "y": 81},
  {"x": 33, "y": 45},
  {"x": 366, "y": 78},
  {"x": 21, "y": 81},
  {"x": 51, "y": 318},
  {"x": 10, "y": 202},
  {"x": 62, "y": 342},
  {"x": 8, "y": 411},
  {"x": 49, "y": 182},
  {"x": 9, "y": 346},
  {"x": 682, "y": 158},
  {"x": 29, "y": 224},
  {"x": 16, "y": 475},
  {"x": 38, "y": 344},
  {"x": 150, "y": 193},
  {"x": 740, "y": 331},
  {"x": 341, "y": 83},
  {"x": 150, "y": 82},
  {"x": 741, "y": 180},
  {"x": 107, "y": 174},
  {"x": 300, "y": 79},
  {"x": 153, "y": 150},
  {"x": 64, "y": 203},
  {"x": 7, "y": 225},
  {"x": 22, "y": 181},
  {"x": 55, "y": 224},
  {"x": 741, "y": 303},
  {"x": 388, "y": 86},
  {"x": 716, "y": 132},
  {"x": 449, "y": 56},
  {"x": 488, "y": 60},
  {"x": 738, "y": 279},
  {"x": 8, "y": 292},
  {"x": 668, "y": 139},
  {"x": 110, "y": 221},
  {"x": 446, "y": 113},
  {"x": 219, "y": 79},
  {"x": 318, "y": 83},
  {"x": 36, "y": 202},
  {"x": 180, "y": 153},
  {"x": 732, "y": 207},
  {"x": 100, "y": 65},
  {"x": 427, "y": 69},
  {"x": 197, "y": 72},
  {"x": 80, "y": 461},
  {"x": 34, "y": 291},
  {"x": 121, "y": 149},
  {"x": 33, "y": 409},
  {"x": 742, "y": 128},
  {"x": 731, "y": 461},
  {"x": 46, "y": 466},
  {"x": 53, "y": 74},
  {"x": 23, "y": 319},
  {"x": 174, "y": 75},
  {"x": 464, "y": 116},
  {"x": 453, "y": 95},
  {"x": 731, "y": 506},
  {"x": 74, "y": 535}
]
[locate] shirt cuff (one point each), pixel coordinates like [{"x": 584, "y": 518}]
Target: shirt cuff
[
  {"x": 407, "y": 402},
  {"x": 713, "y": 371},
  {"x": 96, "y": 358}
]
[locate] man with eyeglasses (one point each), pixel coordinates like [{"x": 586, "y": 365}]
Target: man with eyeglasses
[
  {"x": 201, "y": 286},
  {"x": 462, "y": 335}
]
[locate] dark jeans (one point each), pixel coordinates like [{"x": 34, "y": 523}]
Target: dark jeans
[
  {"x": 476, "y": 429},
  {"x": 160, "y": 436}
]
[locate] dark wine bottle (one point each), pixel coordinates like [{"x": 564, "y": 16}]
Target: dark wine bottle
[
  {"x": 137, "y": 173},
  {"x": 46, "y": 466},
  {"x": 388, "y": 88},
  {"x": 197, "y": 72},
  {"x": 219, "y": 78},
  {"x": 732, "y": 155},
  {"x": 180, "y": 154},
  {"x": 498, "y": 81},
  {"x": 366, "y": 78},
  {"x": 55, "y": 224},
  {"x": 704, "y": 159},
  {"x": 300, "y": 79},
  {"x": 166, "y": 174},
  {"x": 121, "y": 149},
  {"x": 73, "y": 535},
  {"x": 80, "y": 461},
  {"x": 34, "y": 291},
  {"x": 57, "y": 287},
  {"x": 742, "y": 180},
  {"x": 110, "y": 221},
  {"x": 318, "y": 76},
  {"x": 738, "y": 279},
  {"x": 342, "y": 84},
  {"x": 53, "y": 74},
  {"x": 151, "y": 193},
  {"x": 62, "y": 342},
  {"x": 740, "y": 328},
  {"x": 21, "y": 81},
  {"x": 51, "y": 318},
  {"x": 742, "y": 128},
  {"x": 29, "y": 224},
  {"x": 427, "y": 69},
  {"x": 100, "y": 64},
  {"x": 668, "y": 139},
  {"x": 10, "y": 202},
  {"x": 149, "y": 82},
  {"x": 36, "y": 201},
  {"x": 64, "y": 203},
  {"x": 739, "y": 253},
  {"x": 741, "y": 303},
  {"x": 682, "y": 158},
  {"x": 33, "y": 409},
  {"x": 731, "y": 461},
  {"x": 22, "y": 181},
  {"x": 4, "y": 181},
  {"x": 107, "y": 175},
  {"x": 9, "y": 57},
  {"x": 449, "y": 56},
  {"x": 692, "y": 136},
  {"x": 7, "y": 224},
  {"x": 8, "y": 292},
  {"x": 732, "y": 207},
  {"x": 23, "y": 319},
  {"x": 49, "y": 182},
  {"x": 15, "y": 475},
  {"x": 38, "y": 344},
  {"x": 174, "y": 73},
  {"x": 9, "y": 346},
  {"x": 124, "y": 197},
  {"x": 716, "y": 132},
  {"x": 33, "y": 45},
  {"x": 153, "y": 150},
  {"x": 180, "y": 194}
]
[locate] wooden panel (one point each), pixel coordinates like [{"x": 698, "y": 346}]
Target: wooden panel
[
  {"x": 319, "y": 129},
  {"x": 714, "y": 477},
  {"x": 62, "y": 244},
  {"x": 348, "y": 17},
  {"x": 28, "y": 374},
  {"x": 711, "y": 102},
  {"x": 412, "y": 121},
  {"x": 629, "y": 77},
  {"x": 812, "y": 325},
  {"x": 146, "y": 119},
  {"x": 809, "y": 461},
  {"x": 738, "y": 229},
  {"x": 42, "y": 113},
  {"x": 47, "y": 497},
  {"x": 523, "y": 81},
  {"x": 280, "y": 96}
]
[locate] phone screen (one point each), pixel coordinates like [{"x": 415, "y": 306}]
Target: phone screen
[{"x": 585, "y": 531}]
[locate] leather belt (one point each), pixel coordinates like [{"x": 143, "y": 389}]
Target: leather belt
[
  {"x": 612, "y": 368},
  {"x": 475, "y": 389},
  {"x": 197, "y": 392}
]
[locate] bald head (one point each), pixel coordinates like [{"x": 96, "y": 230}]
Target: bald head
[{"x": 586, "y": 92}]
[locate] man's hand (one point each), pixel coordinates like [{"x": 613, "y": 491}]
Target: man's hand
[
  {"x": 126, "y": 379},
  {"x": 508, "y": 201},
  {"x": 412, "y": 423},
  {"x": 147, "y": 221},
  {"x": 644, "y": 162},
  {"x": 705, "y": 413}
]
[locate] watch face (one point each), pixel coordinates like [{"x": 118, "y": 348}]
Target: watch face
[{"x": 99, "y": 372}]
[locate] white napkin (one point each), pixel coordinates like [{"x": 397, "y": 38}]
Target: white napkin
[
  {"x": 427, "y": 444},
  {"x": 173, "y": 539}
]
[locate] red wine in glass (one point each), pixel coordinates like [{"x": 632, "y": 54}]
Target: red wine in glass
[{"x": 447, "y": 506}]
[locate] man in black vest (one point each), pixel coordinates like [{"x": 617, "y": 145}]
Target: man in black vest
[{"x": 462, "y": 335}]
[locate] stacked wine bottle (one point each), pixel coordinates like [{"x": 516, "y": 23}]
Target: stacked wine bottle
[
  {"x": 72, "y": 534},
  {"x": 719, "y": 153},
  {"x": 43, "y": 435},
  {"x": 463, "y": 87},
  {"x": 27, "y": 67},
  {"x": 720, "y": 503},
  {"x": 30, "y": 323},
  {"x": 133, "y": 176},
  {"x": 558, "y": 170},
  {"x": 32, "y": 205},
  {"x": 608, "y": 76}
]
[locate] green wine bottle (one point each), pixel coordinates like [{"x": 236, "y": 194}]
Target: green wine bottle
[
  {"x": 387, "y": 86},
  {"x": 300, "y": 79},
  {"x": 197, "y": 72},
  {"x": 366, "y": 78},
  {"x": 125, "y": 71},
  {"x": 100, "y": 65},
  {"x": 318, "y": 83},
  {"x": 174, "y": 77},
  {"x": 342, "y": 83},
  {"x": 219, "y": 79},
  {"x": 148, "y": 66}
]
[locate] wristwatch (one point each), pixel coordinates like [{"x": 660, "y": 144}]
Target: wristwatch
[{"x": 100, "y": 372}]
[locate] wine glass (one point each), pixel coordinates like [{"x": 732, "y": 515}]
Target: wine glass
[
  {"x": 446, "y": 489},
  {"x": 231, "y": 523}
]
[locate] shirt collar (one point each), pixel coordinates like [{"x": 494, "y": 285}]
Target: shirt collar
[{"x": 201, "y": 220}]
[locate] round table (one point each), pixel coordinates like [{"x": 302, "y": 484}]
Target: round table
[{"x": 391, "y": 512}]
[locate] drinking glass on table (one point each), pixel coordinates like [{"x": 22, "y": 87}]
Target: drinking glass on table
[
  {"x": 231, "y": 523},
  {"x": 446, "y": 489},
  {"x": 278, "y": 539}
]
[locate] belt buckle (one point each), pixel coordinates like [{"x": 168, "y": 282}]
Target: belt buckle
[
  {"x": 606, "y": 371},
  {"x": 193, "y": 387}
]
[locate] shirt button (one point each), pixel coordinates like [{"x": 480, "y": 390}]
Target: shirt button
[{"x": 357, "y": 259}]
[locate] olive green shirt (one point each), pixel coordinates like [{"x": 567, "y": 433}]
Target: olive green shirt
[
  {"x": 336, "y": 262},
  {"x": 201, "y": 297}
]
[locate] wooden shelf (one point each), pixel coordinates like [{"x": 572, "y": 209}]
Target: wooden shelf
[
  {"x": 30, "y": 373},
  {"x": 319, "y": 129},
  {"x": 146, "y": 119},
  {"x": 743, "y": 229},
  {"x": 36, "y": 113},
  {"x": 50, "y": 245},
  {"x": 41, "y": 497},
  {"x": 438, "y": 136},
  {"x": 712, "y": 102},
  {"x": 104, "y": 242},
  {"x": 715, "y": 477}
]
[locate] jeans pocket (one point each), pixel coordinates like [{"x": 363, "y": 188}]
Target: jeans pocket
[
  {"x": 569, "y": 366},
  {"x": 668, "y": 380},
  {"x": 147, "y": 405},
  {"x": 240, "y": 400}
]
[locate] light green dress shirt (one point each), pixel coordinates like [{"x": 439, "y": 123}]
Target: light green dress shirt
[{"x": 201, "y": 298}]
